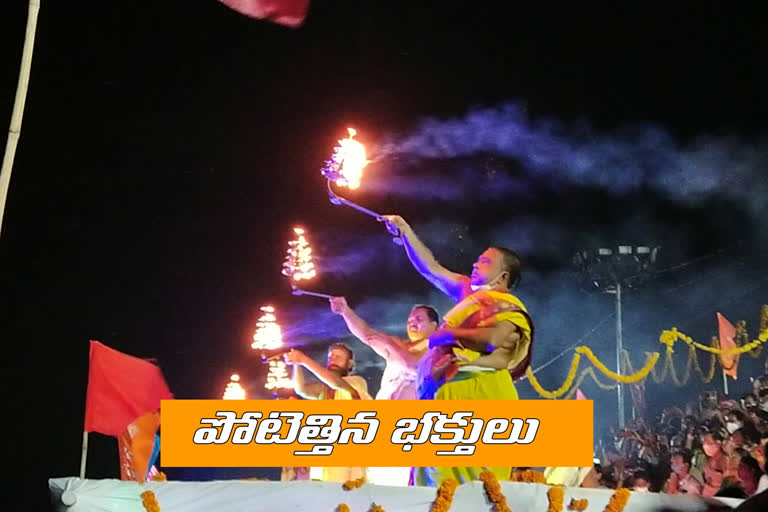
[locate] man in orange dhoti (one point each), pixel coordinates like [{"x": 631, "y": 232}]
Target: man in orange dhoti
[{"x": 484, "y": 343}]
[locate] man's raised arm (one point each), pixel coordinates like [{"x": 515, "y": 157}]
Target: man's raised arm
[
  {"x": 389, "y": 347},
  {"x": 452, "y": 284},
  {"x": 335, "y": 382}
]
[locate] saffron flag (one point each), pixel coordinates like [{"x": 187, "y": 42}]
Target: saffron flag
[
  {"x": 290, "y": 13},
  {"x": 137, "y": 447},
  {"x": 121, "y": 388},
  {"x": 730, "y": 362}
]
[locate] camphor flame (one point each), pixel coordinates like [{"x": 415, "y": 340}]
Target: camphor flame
[
  {"x": 345, "y": 168},
  {"x": 268, "y": 336},
  {"x": 298, "y": 262},
  {"x": 278, "y": 377},
  {"x": 234, "y": 390}
]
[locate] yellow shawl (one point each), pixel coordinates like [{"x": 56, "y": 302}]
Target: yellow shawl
[{"x": 480, "y": 309}]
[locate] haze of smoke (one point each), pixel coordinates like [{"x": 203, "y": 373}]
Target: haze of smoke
[{"x": 638, "y": 156}]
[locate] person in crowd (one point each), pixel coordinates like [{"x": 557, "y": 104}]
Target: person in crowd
[{"x": 680, "y": 480}]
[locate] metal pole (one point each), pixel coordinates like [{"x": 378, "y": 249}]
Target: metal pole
[
  {"x": 619, "y": 348},
  {"x": 725, "y": 383}
]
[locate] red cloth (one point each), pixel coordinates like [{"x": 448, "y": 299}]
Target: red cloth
[
  {"x": 727, "y": 331},
  {"x": 290, "y": 13},
  {"x": 120, "y": 389}
]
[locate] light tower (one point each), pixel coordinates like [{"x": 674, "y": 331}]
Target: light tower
[{"x": 616, "y": 271}]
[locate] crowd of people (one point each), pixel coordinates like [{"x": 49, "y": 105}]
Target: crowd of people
[{"x": 716, "y": 448}]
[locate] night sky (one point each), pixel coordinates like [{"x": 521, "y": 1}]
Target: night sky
[{"x": 168, "y": 148}]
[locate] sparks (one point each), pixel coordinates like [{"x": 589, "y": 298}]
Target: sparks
[
  {"x": 298, "y": 263},
  {"x": 345, "y": 168}
]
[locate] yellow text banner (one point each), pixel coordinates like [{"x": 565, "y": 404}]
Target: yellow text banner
[{"x": 351, "y": 433}]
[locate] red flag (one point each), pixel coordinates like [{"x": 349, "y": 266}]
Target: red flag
[
  {"x": 136, "y": 444},
  {"x": 580, "y": 395},
  {"x": 290, "y": 13},
  {"x": 120, "y": 389},
  {"x": 730, "y": 362}
]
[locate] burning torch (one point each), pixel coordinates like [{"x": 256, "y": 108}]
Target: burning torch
[
  {"x": 268, "y": 340},
  {"x": 345, "y": 169},
  {"x": 298, "y": 265}
]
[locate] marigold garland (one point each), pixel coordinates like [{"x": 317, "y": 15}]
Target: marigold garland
[
  {"x": 618, "y": 500},
  {"x": 444, "y": 496},
  {"x": 376, "y": 508},
  {"x": 160, "y": 477},
  {"x": 493, "y": 490},
  {"x": 556, "y": 495},
  {"x": 149, "y": 501},
  {"x": 528, "y": 476},
  {"x": 343, "y": 507},
  {"x": 353, "y": 484},
  {"x": 578, "y": 505}
]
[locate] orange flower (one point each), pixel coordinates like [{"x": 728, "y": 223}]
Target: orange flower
[
  {"x": 528, "y": 476},
  {"x": 343, "y": 507},
  {"x": 159, "y": 477},
  {"x": 493, "y": 490},
  {"x": 618, "y": 500},
  {"x": 555, "y": 495},
  {"x": 150, "y": 502},
  {"x": 353, "y": 484},
  {"x": 376, "y": 508},
  {"x": 578, "y": 505},
  {"x": 444, "y": 496}
]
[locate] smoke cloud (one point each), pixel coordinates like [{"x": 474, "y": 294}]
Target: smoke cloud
[{"x": 638, "y": 157}]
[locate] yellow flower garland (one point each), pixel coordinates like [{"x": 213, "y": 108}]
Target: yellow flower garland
[
  {"x": 668, "y": 337},
  {"x": 556, "y": 495},
  {"x": 444, "y": 496},
  {"x": 578, "y": 505},
  {"x": 160, "y": 477},
  {"x": 343, "y": 507},
  {"x": 493, "y": 490},
  {"x": 529, "y": 476},
  {"x": 149, "y": 501},
  {"x": 618, "y": 500},
  {"x": 376, "y": 508}
]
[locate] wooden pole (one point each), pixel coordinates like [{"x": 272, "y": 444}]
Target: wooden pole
[
  {"x": 18, "y": 107},
  {"x": 84, "y": 454}
]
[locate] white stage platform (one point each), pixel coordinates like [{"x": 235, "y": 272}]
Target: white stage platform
[{"x": 76, "y": 495}]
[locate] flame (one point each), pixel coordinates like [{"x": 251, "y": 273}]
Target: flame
[
  {"x": 278, "y": 377},
  {"x": 345, "y": 167},
  {"x": 268, "y": 334},
  {"x": 298, "y": 262},
  {"x": 234, "y": 390}
]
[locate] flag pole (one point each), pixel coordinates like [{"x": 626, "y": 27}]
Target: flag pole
[
  {"x": 725, "y": 383},
  {"x": 18, "y": 106},
  {"x": 84, "y": 454}
]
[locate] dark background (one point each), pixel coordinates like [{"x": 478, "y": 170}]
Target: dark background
[{"x": 167, "y": 148}]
